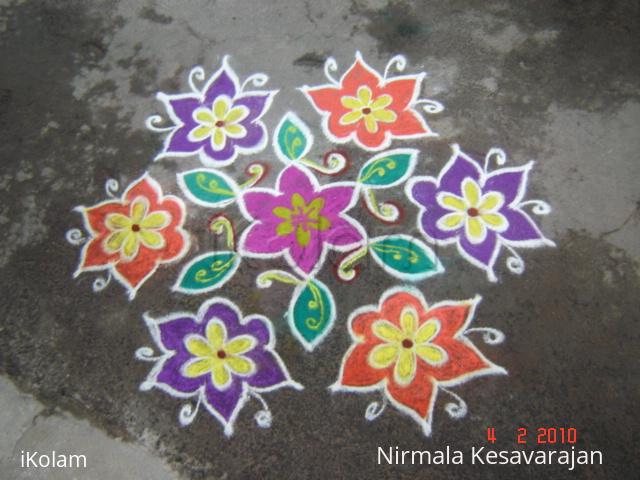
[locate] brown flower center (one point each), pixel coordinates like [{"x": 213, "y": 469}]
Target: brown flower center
[
  {"x": 219, "y": 123},
  {"x": 135, "y": 227},
  {"x": 222, "y": 354},
  {"x": 366, "y": 111},
  {"x": 406, "y": 343},
  {"x": 473, "y": 212}
]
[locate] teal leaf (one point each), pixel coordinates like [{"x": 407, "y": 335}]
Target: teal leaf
[
  {"x": 207, "y": 272},
  {"x": 312, "y": 313},
  {"x": 388, "y": 168},
  {"x": 208, "y": 188},
  {"x": 293, "y": 139},
  {"x": 405, "y": 257}
]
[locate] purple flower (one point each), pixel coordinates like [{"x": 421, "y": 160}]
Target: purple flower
[
  {"x": 219, "y": 121},
  {"x": 478, "y": 210},
  {"x": 300, "y": 219},
  {"x": 218, "y": 357}
]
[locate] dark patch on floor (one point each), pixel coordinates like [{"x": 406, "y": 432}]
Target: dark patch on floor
[
  {"x": 149, "y": 13},
  {"x": 311, "y": 60}
]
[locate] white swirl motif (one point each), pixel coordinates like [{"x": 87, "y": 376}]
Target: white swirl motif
[
  {"x": 196, "y": 74},
  {"x": 400, "y": 63},
  {"x": 331, "y": 66},
  {"x": 375, "y": 409},
  {"x": 75, "y": 237},
  {"x": 457, "y": 409}
]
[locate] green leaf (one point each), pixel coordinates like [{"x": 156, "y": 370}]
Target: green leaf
[
  {"x": 388, "y": 168},
  {"x": 207, "y": 272},
  {"x": 207, "y": 187},
  {"x": 312, "y": 313},
  {"x": 293, "y": 138},
  {"x": 405, "y": 257}
]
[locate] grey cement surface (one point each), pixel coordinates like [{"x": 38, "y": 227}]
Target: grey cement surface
[{"x": 554, "y": 81}]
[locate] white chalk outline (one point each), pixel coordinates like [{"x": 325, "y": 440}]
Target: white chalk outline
[{"x": 412, "y": 277}]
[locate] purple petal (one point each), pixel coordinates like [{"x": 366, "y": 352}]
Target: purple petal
[
  {"x": 222, "y": 84},
  {"x": 268, "y": 373},
  {"x": 295, "y": 180},
  {"x": 306, "y": 258},
  {"x": 342, "y": 233},
  {"x": 255, "y": 134},
  {"x": 482, "y": 252},
  {"x": 262, "y": 238},
  {"x": 507, "y": 182},
  {"x": 184, "y": 107},
  {"x": 429, "y": 222},
  {"x": 461, "y": 168},
  {"x": 224, "y": 401},
  {"x": 521, "y": 227},
  {"x": 225, "y": 153},
  {"x": 260, "y": 204},
  {"x": 223, "y": 312},
  {"x": 173, "y": 332},
  {"x": 424, "y": 193},
  {"x": 336, "y": 199},
  {"x": 257, "y": 328},
  {"x": 171, "y": 374},
  {"x": 255, "y": 103}
]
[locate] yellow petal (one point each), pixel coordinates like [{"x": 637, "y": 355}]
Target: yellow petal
[
  {"x": 204, "y": 115},
  {"x": 198, "y": 346},
  {"x": 284, "y": 229},
  {"x": 314, "y": 208},
  {"x": 117, "y": 221},
  {"x": 240, "y": 344},
  {"x": 427, "y": 331},
  {"x": 351, "y": 117},
  {"x": 454, "y": 202},
  {"x": 139, "y": 209},
  {"x": 450, "y": 221},
  {"x": 220, "y": 375},
  {"x": 381, "y": 102},
  {"x": 235, "y": 131},
  {"x": 409, "y": 321},
  {"x": 475, "y": 229},
  {"x": 236, "y": 114},
  {"x": 218, "y": 138},
  {"x": 321, "y": 224},
  {"x": 431, "y": 354},
  {"x": 405, "y": 367},
  {"x": 382, "y": 356},
  {"x": 201, "y": 132},
  {"x": 151, "y": 239},
  {"x": 303, "y": 236},
  {"x": 156, "y": 220},
  {"x": 216, "y": 334},
  {"x": 195, "y": 368},
  {"x": 494, "y": 219},
  {"x": 370, "y": 123},
  {"x": 471, "y": 192},
  {"x": 240, "y": 365},
  {"x": 386, "y": 330},
  {"x": 386, "y": 116},
  {"x": 351, "y": 103},
  {"x": 282, "y": 212},
  {"x": 131, "y": 245},
  {"x": 364, "y": 95},
  {"x": 491, "y": 201},
  {"x": 220, "y": 108},
  {"x": 115, "y": 240},
  {"x": 298, "y": 202}
]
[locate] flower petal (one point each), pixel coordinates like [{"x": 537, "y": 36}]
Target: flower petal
[
  {"x": 236, "y": 114},
  {"x": 240, "y": 344},
  {"x": 456, "y": 171},
  {"x": 471, "y": 192},
  {"x": 451, "y": 221},
  {"x": 409, "y": 321},
  {"x": 205, "y": 116},
  {"x": 427, "y": 331},
  {"x": 381, "y": 102},
  {"x": 235, "y": 131},
  {"x": 351, "y": 117},
  {"x": 198, "y": 346},
  {"x": 240, "y": 365},
  {"x": 216, "y": 334},
  {"x": 117, "y": 221},
  {"x": 200, "y": 133},
  {"x": 495, "y": 220},
  {"x": 364, "y": 95},
  {"x": 131, "y": 246},
  {"x": 432, "y": 354},
  {"x": 284, "y": 229},
  {"x": 220, "y": 375},
  {"x": 151, "y": 239},
  {"x": 452, "y": 202},
  {"x": 520, "y": 227},
  {"x": 475, "y": 230},
  {"x": 351, "y": 103},
  {"x": 490, "y": 202},
  {"x": 156, "y": 220},
  {"x": 139, "y": 209},
  {"x": 370, "y": 123},
  {"x": 382, "y": 356},
  {"x": 405, "y": 370},
  {"x": 220, "y": 108},
  {"x": 483, "y": 251},
  {"x": 303, "y": 235},
  {"x": 386, "y": 116},
  {"x": 218, "y": 139},
  {"x": 114, "y": 242},
  {"x": 387, "y": 331},
  {"x": 197, "y": 367}
]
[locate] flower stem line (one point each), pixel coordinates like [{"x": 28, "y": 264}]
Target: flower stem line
[
  {"x": 219, "y": 225},
  {"x": 256, "y": 172},
  {"x": 265, "y": 279},
  {"x": 346, "y": 269}
]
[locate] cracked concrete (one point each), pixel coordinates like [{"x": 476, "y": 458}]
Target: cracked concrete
[{"x": 553, "y": 81}]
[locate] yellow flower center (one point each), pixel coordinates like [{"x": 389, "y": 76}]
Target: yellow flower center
[
  {"x": 474, "y": 211},
  {"x": 403, "y": 346},
  {"x": 219, "y": 122},
  {"x": 214, "y": 355},
  {"x": 301, "y": 218},
  {"x": 140, "y": 227},
  {"x": 364, "y": 107}
]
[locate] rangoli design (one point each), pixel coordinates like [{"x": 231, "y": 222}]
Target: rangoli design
[
  {"x": 403, "y": 347},
  {"x": 371, "y": 109},
  {"x": 478, "y": 210},
  {"x": 219, "y": 358},
  {"x": 218, "y": 121},
  {"x": 409, "y": 351},
  {"x": 130, "y": 237}
]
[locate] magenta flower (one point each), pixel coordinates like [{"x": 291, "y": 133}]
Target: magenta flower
[
  {"x": 478, "y": 210},
  {"x": 300, "y": 219},
  {"x": 218, "y": 121}
]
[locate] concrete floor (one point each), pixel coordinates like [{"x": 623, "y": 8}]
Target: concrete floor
[{"x": 554, "y": 81}]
